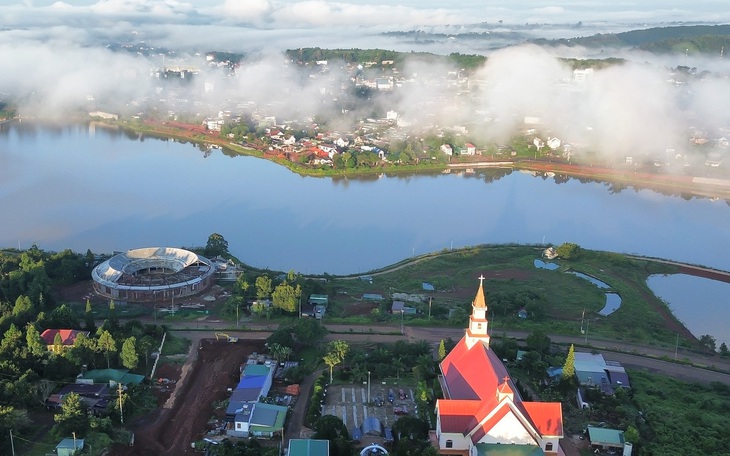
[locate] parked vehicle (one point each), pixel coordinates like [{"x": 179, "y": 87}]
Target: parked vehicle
[
  {"x": 391, "y": 396},
  {"x": 401, "y": 394},
  {"x": 400, "y": 410}
]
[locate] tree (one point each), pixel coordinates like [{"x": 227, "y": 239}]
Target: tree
[
  {"x": 285, "y": 297},
  {"x": 708, "y": 341},
  {"x": 23, "y": 306},
  {"x": 36, "y": 346},
  {"x": 129, "y": 355},
  {"x": 569, "y": 366},
  {"x": 106, "y": 345},
  {"x": 216, "y": 246},
  {"x": 44, "y": 388},
  {"x": 568, "y": 251},
  {"x": 336, "y": 352},
  {"x": 57, "y": 343},
  {"x": 442, "y": 350},
  {"x": 539, "y": 342},
  {"x": 631, "y": 435},
  {"x": 724, "y": 350},
  {"x": 263, "y": 287},
  {"x": 308, "y": 331},
  {"x": 89, "y": 317},
  {"x": 145, "y": 346},
  {"x": 73, "y": 417}
]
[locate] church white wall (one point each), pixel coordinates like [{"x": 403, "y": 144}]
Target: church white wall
[
  {"x": 509, "y": 430},
  {"x": 459, "y": 442}
]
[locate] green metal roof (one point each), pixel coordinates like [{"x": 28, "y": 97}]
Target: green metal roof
[
  {"x": 506, "y": 449},
  {"x": 267, "y": 410},
  {"x": 309, "y": 447},
  {"x": 608, "y": 437},
  {"x": 252, "y": 370},
  {"x": 117, "y": 375}
]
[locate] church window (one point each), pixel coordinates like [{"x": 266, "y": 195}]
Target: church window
[
  {"x": 449, "y": 444},
  {"x": 549, "y": 446}
]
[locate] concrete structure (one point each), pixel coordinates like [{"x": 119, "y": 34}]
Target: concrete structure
[
  {"x": 482, "y": 411},
  {"x": 153, "y": 274}
]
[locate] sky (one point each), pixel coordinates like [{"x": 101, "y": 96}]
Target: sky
[{"x": 282, "y": 24}]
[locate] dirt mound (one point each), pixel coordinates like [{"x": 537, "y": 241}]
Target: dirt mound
[{"x": 203, "y": 380}]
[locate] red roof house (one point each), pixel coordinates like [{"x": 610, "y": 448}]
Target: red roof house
[
  {"x": 481, "y": 407},
  {"x": 68, "y": 337}
]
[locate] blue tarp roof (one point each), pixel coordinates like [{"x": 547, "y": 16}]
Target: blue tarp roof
[{"x": 256, "y": 381}]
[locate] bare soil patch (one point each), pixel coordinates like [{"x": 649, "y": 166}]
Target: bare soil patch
[{"x": 182, "y": 419}]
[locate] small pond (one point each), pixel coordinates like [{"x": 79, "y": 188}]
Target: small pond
[
  {"x": 613, "y": 300},
  {"x": 539, "y": 264},
  {"x": 591, "y": 279}
]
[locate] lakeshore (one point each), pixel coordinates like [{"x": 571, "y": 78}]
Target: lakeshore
[{"x": 673, "y": 184}]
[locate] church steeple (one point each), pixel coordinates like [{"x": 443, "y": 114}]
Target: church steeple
[{"x": 478, "y": 324}]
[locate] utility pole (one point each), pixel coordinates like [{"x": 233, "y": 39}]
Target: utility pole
[
  {"x": 12, "y": 444},
  {"x": 429, "y": 307},
  {"x": 121, "y": 412},
  {"x": 368, "y": 387},
  {"x": 676, "y": 347}
]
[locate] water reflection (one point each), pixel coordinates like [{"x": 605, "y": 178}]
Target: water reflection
[{"x": 114, "y": 191}]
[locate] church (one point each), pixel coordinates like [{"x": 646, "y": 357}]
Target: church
[{"x": 482, "y": 412}]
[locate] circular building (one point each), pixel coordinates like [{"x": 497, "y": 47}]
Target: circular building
[{"x": 153, "y": 274}]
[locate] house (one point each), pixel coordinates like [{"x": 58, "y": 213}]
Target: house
[
  {"x": 554, "y": 143},
  {"x": 550, "y": 253},
  {"x": 482, "y": 409},
  {"x": 112, "y": 377},
  {"x": 397, "y": 307},
  {"x": 68, "y": 337},
  {"x": 446, "y": 149},
  {"x": 607, "y": 439},
  {"x": 539, "y": 143},
  {"x": 593, "y": 370},
  {"x": 256, "y": 380},
  {"x": 259, "y": 420},
  {"x": 469, "y": 149},
  {"x": 69, "y": 447},
  {"x": 309, "y": 447}
]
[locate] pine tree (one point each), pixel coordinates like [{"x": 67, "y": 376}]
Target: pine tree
[
  {"x": 107, "y": 345},
  {"x": 35, "y": 343},
  {"x": 569, "y": 366},
  {"x": 73, "y": 417},
  {"x": 442, "y": 350}
]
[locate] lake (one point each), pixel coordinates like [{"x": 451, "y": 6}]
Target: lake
[{"x": 84, "y": 187}]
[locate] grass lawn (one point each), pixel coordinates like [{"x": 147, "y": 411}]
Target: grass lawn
[{"x": 555, "y": 301}]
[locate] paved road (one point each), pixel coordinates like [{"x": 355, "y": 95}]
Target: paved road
[{"x": 704, "y": 368}]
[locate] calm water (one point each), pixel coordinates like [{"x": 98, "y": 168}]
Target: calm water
[
  {"x": 84, "y": 188},
  {"x": 702, "y": 305}
]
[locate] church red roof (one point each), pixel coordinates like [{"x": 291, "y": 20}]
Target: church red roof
[
  {"x": 476, "y": 382},
  {"x": 473, "y": 374},
  {"x": 546, "y": 416}
]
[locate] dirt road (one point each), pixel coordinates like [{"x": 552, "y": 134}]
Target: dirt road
[{"x": 211, "y": 367}]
